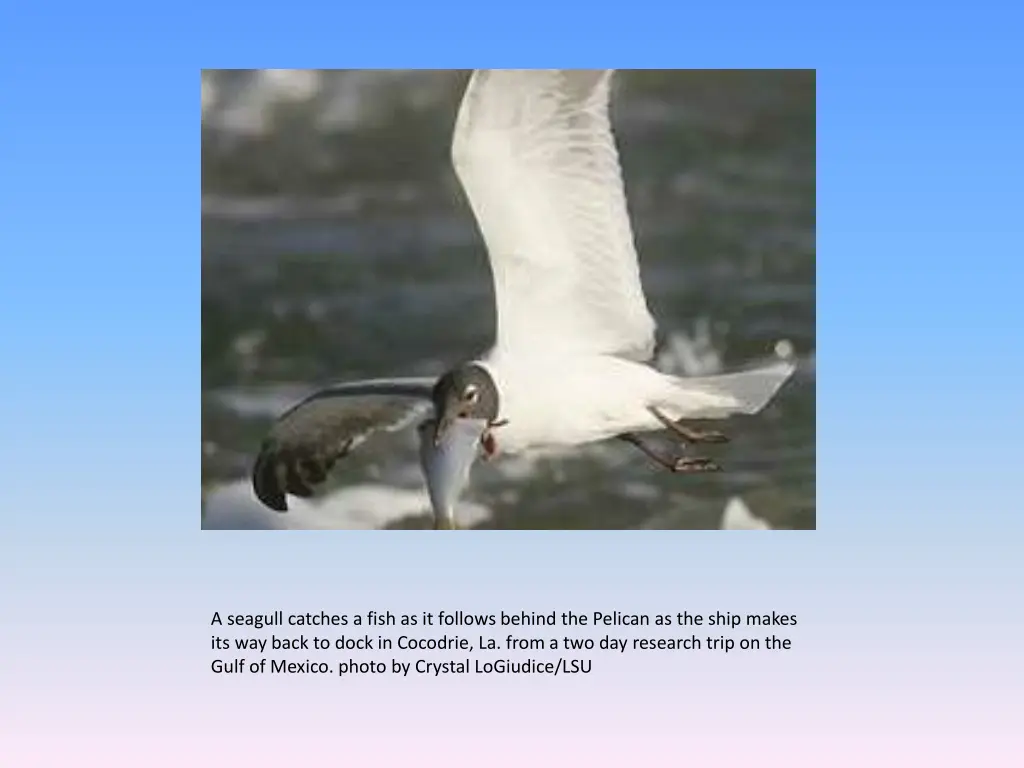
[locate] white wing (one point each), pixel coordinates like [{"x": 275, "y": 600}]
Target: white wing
[{"x": 534, "y": 152}]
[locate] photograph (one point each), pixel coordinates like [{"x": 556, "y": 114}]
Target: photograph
[
  {"x": 527, "y": 299},
  {"x": 568, "y": 316}
]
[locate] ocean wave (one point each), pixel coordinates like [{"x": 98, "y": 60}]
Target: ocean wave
[
  {"x": 366, "y": 506},
  {"x": 737, "y": 517}
]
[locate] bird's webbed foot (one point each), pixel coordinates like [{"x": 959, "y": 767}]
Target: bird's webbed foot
[{"x": 677, "y": 464}]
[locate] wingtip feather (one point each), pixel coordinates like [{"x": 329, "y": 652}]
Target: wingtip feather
[{"x": 266, "y": 486}]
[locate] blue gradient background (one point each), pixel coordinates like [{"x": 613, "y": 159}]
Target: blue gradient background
[{"x": 908, "y": 648}]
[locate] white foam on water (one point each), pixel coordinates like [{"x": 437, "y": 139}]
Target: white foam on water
[
  {"x": 209, "y": 93},
  {"x": 289, "y": 84},
  {"x": 640, "y": 491},
  {"x": 691, "y": 354},
  {"x": 738, "y": 517},
  {"x": 266, "y": 402},
  {"x": 366, "y": 506},
  {"x": 335, "y": 99}
]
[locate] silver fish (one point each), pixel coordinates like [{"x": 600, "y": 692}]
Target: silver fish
[{"x": 447, "y": 465}]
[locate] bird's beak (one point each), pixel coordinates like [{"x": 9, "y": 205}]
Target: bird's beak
[{"x": 450, "y": 411}]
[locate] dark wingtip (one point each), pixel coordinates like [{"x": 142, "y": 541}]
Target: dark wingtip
[{"x": 265, "y": 484}]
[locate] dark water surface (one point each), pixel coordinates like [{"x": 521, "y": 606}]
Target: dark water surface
[{"x": 343, "y": 250}]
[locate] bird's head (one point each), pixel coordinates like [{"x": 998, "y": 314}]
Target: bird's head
[{"x": 465, "y": 392}]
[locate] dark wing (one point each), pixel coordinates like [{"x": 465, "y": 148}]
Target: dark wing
[{"x": 306, "y": 442}]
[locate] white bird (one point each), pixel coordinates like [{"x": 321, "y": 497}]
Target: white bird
[{"x": 535, "y": 154}]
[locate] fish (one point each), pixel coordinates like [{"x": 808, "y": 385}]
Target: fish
[{"x": 447, "y": 464}]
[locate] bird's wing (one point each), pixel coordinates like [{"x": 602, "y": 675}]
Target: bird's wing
[
  {"x": 534, "y": 152},
  {"x": 307, "y": 440}
]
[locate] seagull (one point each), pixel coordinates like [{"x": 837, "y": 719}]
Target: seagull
[{"x": 571, "y": 362}]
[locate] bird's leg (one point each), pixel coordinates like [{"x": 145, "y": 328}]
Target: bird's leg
[
  {"x": 688, "y": 434},
  {"x": 680, "y": 464}
]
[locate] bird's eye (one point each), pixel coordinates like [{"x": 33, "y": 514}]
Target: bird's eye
[{"x": 472, "y": 394}]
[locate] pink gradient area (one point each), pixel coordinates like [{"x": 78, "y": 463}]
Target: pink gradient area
[{"x": 475, "y": 722}]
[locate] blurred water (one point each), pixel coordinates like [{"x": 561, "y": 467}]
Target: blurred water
[{"x": 336, "y": 244}]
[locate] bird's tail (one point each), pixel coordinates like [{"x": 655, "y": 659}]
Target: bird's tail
[{"x": 715, "y": 397}]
